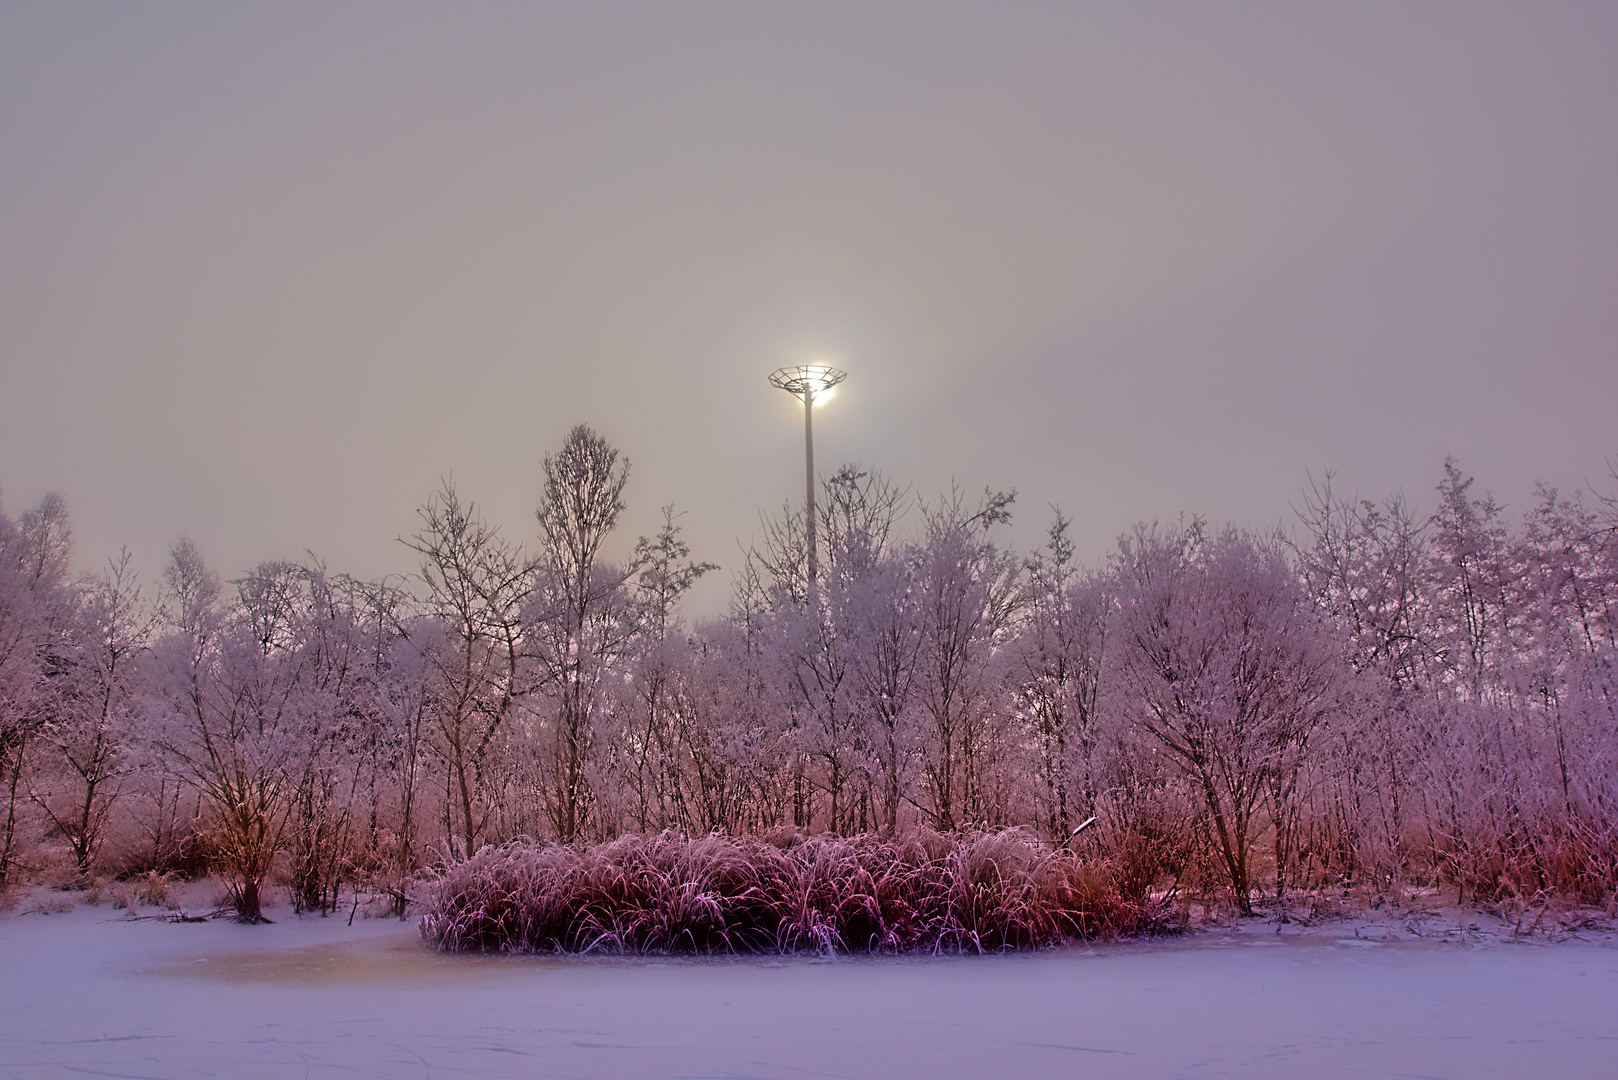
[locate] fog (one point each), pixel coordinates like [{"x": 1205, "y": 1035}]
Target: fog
[{"x": 267, "y": 275}]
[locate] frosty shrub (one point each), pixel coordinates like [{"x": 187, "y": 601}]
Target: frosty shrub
[
  {"x": 929, "y": 892},
  {"x": 152, "y": 888},
  {"x": 50, "y": 902}
]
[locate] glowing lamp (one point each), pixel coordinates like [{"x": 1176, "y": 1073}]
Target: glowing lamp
[{"x": 809, "y": 381}]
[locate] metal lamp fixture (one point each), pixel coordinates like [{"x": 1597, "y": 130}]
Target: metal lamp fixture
[{"x": 807, "y": 381}]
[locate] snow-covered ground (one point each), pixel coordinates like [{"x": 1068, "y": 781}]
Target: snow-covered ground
[{"x": 89, "y": 992}]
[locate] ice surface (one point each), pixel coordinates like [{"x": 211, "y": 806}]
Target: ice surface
[{"x": 89, "y": 993}]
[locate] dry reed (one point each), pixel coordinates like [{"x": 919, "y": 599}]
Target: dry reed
[{"x": 975, "y": 892}]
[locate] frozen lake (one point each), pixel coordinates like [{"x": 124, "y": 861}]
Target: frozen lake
[{"x": 88, "y": 993}]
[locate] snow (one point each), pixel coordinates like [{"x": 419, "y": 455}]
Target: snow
[{"x": 89, "y": 992}]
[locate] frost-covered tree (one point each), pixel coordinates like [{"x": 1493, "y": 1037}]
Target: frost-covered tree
[
  {"x": 1057, "y": 665},
  {"x": 336, "y": 755},
  {"x": 1396, "y": 696},
  {"x": 1228, "y": 669},
  {"x": 580, "y": 620},
  {"x": 226, "y": 714},
  {"x": 95, "y": 720},
  {"x": 18, "y": 677},
  {"x": 657, "y": 721},
  {"x": 37, "y": 611},
  {"x": 1365, "y": 567},
  {"x": 477, "y": 585},
  {"x": 888, "y": 631},
  {"x": 814, "y": 632},
  {"x": 968, "y": 591}
]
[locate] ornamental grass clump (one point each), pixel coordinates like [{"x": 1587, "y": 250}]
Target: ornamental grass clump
[{"x": 930, "y": 892}]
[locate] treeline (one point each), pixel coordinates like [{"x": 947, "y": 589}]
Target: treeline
[{"x": 1374, "y": 699}]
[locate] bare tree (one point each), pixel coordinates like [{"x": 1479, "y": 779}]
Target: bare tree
[
  {"x": 1229, "y": 670},
  {"x": 661, "y": 711},
  {"x": 18, "y": 679},
  {"x": 1469, "y": 539},
  {"x": 339, "y": 705},
  {"x": 1365, "y": 566},
  {"x": 37, "y": 611},
  {"x": 397, "y": 703},
  {"x": 1058, "y": 670},
  {"x": 477, "y": 585},
  {"x": 94, "y": 723},
  {"x": 889, "y": 634},
  {"x": 813, "y": 631},
  {"x": 968, "y": 591},
  {"x": 580, "y": 617},
  {"x": 231, "y": 713}
]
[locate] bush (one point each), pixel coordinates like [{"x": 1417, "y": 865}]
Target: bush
[
  {"x": 153, "y": 889},
  {"x": 977, "y": 892}
]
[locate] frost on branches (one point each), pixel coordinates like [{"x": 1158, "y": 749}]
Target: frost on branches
[{"x": 1378, "y": 699}]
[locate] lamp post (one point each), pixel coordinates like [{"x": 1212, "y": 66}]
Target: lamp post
[{"x": 805, "y": 381}]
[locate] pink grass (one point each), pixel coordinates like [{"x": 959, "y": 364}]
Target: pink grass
[{"x": 979, "y": 892}]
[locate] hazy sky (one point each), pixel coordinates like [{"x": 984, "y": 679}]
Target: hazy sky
[{"x": 268, "y": 272}]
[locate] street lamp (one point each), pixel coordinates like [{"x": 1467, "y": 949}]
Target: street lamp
[{"x": 807, "y": 380}]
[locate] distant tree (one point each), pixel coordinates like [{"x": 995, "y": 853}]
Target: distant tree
[
  {"x": 1568, "y": 645},
  {"x": 1057, "y": 670},
  {"x": 1365, "y": 566},
  {"x": 1468, "y": 566},
  {"x": 37, "y": 610},
  {"x": 968, "y": 590},
  {"x": 95, "y": 721},
  {"x": 580, "y": 618},
  {"x": 396, "y": 702},
  {"x": 661, "y": 718},
  {"x": 477, "y": 585},
  {"x": 889, "y": 632},
  {"x": 331, "y": 613},
  {"x": 1228, "y": 668},
  {"x": 740, "y": 765},
  {"x": 813, "y": 632},
  {"x": 230, "y": 712},
  {"x": 18, "y": 678}
]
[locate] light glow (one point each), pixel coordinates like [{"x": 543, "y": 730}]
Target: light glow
[{"x": 820, "y": 379}]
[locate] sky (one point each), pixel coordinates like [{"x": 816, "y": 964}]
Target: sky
[{"x": 270, "y": 273}]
